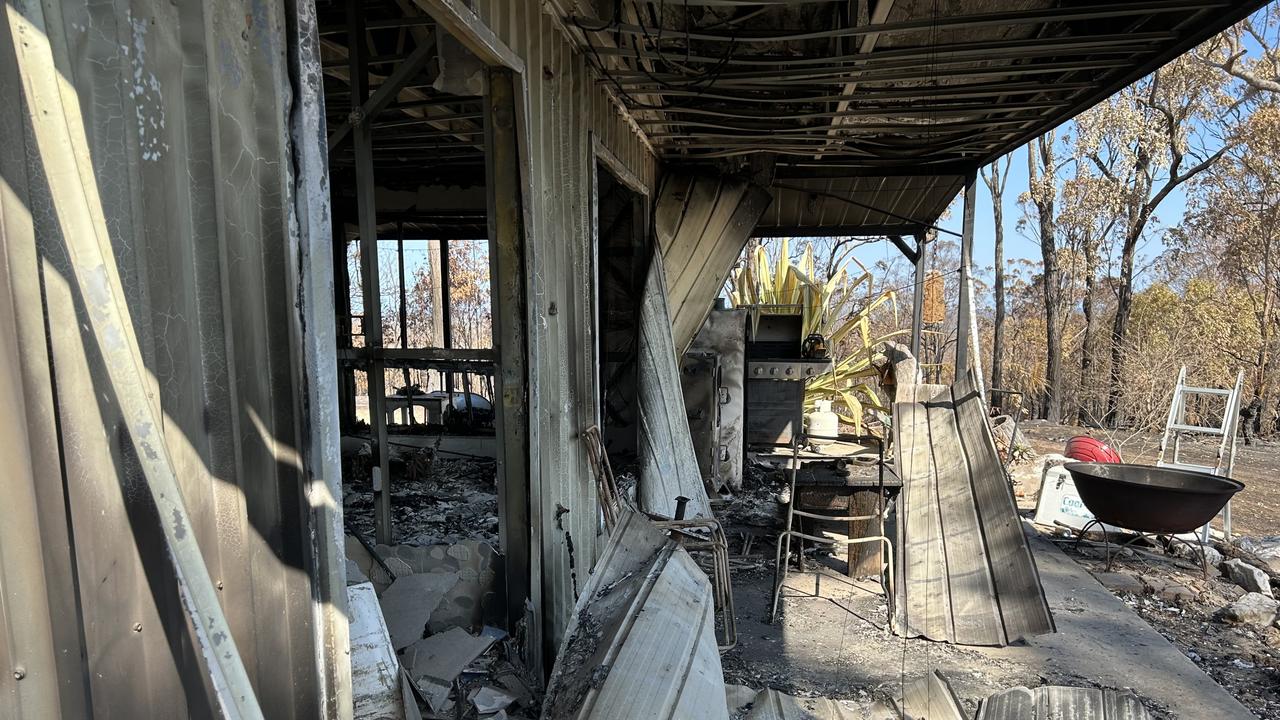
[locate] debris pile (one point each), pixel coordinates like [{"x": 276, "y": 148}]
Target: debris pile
[
  {"x": 435, "y": 499},
  {"x": 421, "y": 639},
  {"x": 761, "y": 503},
  {"x": 1012, "y": 445}
]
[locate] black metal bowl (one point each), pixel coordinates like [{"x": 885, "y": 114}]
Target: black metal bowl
[{"x": 1151, "y": 499}]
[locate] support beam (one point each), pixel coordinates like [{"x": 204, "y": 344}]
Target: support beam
[
  {"x": 404, "y": 302},
  {"x": 917, "y": 301},
  {"x": 966, "y": 319},
  {"x": 460, "y": 21},
  {"x": 868, "y": 44},
  {"x": 386, "y": 92},
  {"x": 367, "y": 217},
  {"x": 446, "y": 309},
  {"x": 507, "y": 278},
  {"x": 903, "y": 248}
]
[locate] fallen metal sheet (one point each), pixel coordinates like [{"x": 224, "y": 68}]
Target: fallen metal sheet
[
  {"x": 641, "y": 644},
  {"x": 1062, "y": 703},
  {"x": 475, "y": 599},
  {"x": 739, "y": 698},
  {"x": 774, "y": 705},
  {"x": 702, "y": 224},
  {"x": 931, "y": 698},
  {"x": 408, "y": 604},
  {"x": 442, "y": 657},
  {"x": 375, "y": 670},
  {"x": 965, "y": 572},
  {"x": 668, "y": 462}
]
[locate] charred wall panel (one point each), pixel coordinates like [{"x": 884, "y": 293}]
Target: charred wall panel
[
  {"x": 566, "y": 107},
  {"x": 186, "y": 111}
]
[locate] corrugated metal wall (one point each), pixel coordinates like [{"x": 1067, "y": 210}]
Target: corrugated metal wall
[
  {"x": 186, "y": 111},
  {"x": 566, "y": 106}
]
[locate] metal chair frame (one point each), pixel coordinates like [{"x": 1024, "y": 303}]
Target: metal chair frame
[
  {"x": 684, "y": 531},
  {"x": 782, "y": 555}
]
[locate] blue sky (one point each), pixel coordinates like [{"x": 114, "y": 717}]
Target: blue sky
[{"x": 1022, "y": 244}]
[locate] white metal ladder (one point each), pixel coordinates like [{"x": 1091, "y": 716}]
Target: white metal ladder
[{"x": 1177, "y": 426}]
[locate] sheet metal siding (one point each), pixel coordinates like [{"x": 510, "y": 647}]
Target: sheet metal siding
[
  {"x": 702, "y": 224},
  {"x": 806, "y": 206},
  {"x": 964, "y": 571},
  {"x": 186, "y": 108},
  {"x": 565, "y": 103}
]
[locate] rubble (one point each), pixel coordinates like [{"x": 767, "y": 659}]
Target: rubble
[
  {"x": 1212, "y": 557},
  {"x": 441, "y": 658},
  {"x": 1253, "y": 609},
  {"x": 431, "y": 600},
  {"x": 408, "y": 604},
  {"x": 1247, "y": 576},
  {"x": 443, "y": 502},
  {"x": 1265, "y": 548}
]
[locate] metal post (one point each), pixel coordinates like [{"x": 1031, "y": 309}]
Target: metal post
[
  {"x": 342, "y": 311},
  {"x": 507, "y": 285},
  {"x": 966, "y": 320},
  {"x": 367, "y": 214},
  {"x": 446, "y": 314},
  {"x": 404, "y": 307},
  {"x": 917, "y": 303}
]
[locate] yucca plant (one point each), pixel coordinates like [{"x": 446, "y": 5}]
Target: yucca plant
[{"x": 838, "y": 307}]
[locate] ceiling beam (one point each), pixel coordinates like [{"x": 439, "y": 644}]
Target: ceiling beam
[
  {"x": 931, "y": 24},
  {"x": 1038, "y": 47},
  {"x": 386, "y": 92},
  {"x": 878, "y": 17},
  {"x": 785, "y": 79}
]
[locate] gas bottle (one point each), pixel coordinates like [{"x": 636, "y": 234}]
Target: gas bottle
[{"x": 823, "y": 425}]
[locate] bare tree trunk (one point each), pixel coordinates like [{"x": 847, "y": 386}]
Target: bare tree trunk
[
  {"x": 1053, "y": 324},
  {"x": 996, "y": 182},
  {"x": 1043, "y": 197},
  {"x": 1120, "y": 326},
  {"x": 1088, "y": 352}
]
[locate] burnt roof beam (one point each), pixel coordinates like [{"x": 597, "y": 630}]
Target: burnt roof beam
[
  {"x": 386, "y": 92},
  {"x": 878, "y": 17},
  {"x": 940, "y": 24}
]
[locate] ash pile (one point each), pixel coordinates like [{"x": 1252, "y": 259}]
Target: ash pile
[{"x": 436, "y": 497}]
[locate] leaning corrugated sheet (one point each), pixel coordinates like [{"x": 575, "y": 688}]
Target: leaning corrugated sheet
[
  {"x": 965, "y": 572},
  {"x": 668, "y": 462},
  {"x": 185, "y": 112},
  {"x": 701, "y": 224},
  {"x": 567, "y": 106},
  {"x": 641, "y": 645}
]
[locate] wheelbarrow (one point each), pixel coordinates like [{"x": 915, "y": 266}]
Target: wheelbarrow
[{"x": 1151, "y": 501}]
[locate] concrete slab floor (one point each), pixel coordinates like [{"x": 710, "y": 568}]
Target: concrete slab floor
[{"x": 836, "y": 644}]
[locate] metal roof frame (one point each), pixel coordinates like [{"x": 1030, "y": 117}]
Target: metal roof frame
[{"x": 875, "y": 89}]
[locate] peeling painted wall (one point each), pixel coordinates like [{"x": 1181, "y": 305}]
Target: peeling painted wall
[
  {"x": 566, "y": 103},
  {"x": 210, "y": 213}
]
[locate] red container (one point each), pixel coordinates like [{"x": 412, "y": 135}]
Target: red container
[{"x": 1087, "y": 449}]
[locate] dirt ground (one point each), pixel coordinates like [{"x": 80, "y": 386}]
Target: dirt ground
[
  {"x": 1243, "y": 659},
  {"x": 1255, "y": 510}
]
